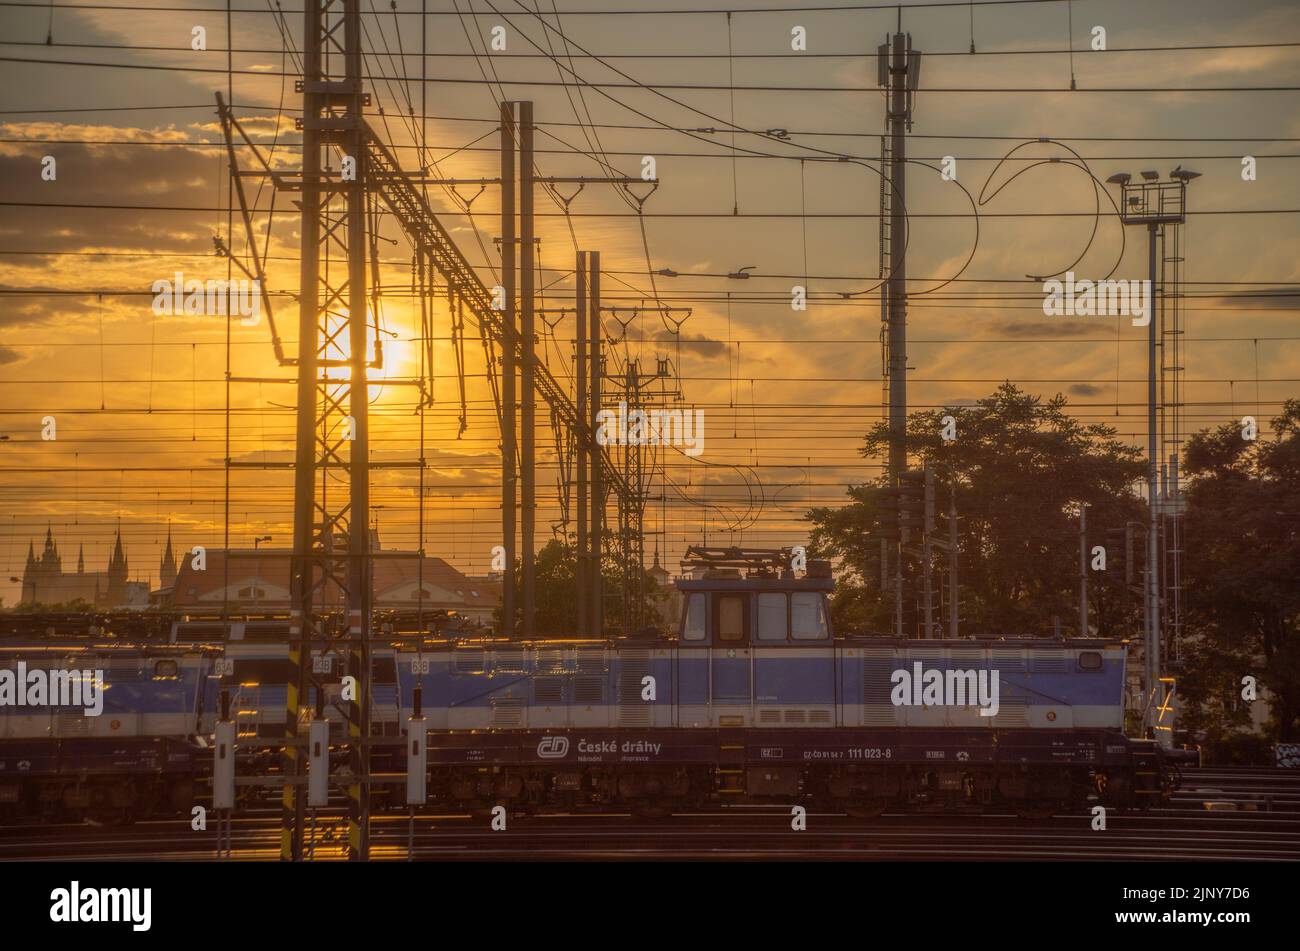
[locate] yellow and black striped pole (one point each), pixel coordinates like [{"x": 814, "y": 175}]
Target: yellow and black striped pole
[
  {"x": 358, "y": 732},
  {"x": 290, "y": 841}
]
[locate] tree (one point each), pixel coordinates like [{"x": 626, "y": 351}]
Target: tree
[
  {"x": 1241, "y": 571},
  {"x": 76, "y": 606},
  {"x": 1020, "y": 467},
  {"x": 557, "y": 591}
]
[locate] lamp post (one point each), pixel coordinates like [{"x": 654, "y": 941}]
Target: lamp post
[
  {"x": 1153, "y": 203},
  {"x": 257, "y": 565}
]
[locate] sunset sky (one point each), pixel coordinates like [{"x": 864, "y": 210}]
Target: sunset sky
[{"x": 126, "y": 109}]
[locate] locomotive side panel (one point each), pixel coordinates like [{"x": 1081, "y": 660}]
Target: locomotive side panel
[{"x": 1047, "y": 687}]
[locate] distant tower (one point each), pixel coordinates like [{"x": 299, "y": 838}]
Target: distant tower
[
  {"x": 41, "y": 575},
  {"x": 657, "y": 570},
  {"x": 167, "y": 570},
  {"x": 30, "y": 574},
  {"x": 81, "y": 559},
  {"x": 50, "y": 561},
  {"x": 117, "y": 573}
]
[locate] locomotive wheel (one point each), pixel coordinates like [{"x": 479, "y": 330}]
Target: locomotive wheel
[
  {"x": 180, "y": 795},
  {"x": 1036, "y": 809},
  {"x": 866, "y": 808},
  {"x": 652, "y": 810}
]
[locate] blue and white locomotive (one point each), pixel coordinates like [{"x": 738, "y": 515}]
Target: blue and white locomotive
[
  {"x": 139, "y": 753},
  {"x": 755, "y": 697}
]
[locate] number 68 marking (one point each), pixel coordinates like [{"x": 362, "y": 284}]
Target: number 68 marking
[{"x": 419, "y": 665}]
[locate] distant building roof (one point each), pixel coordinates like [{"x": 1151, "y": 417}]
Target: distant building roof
[{"x": 247, "y": 577}]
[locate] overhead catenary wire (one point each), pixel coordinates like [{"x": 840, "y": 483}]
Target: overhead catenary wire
[{"x": 842, "y": 420}]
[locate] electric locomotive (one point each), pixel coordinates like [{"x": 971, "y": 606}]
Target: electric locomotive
[
  {"x": 755, "y": 698},
  {"x": 139, "y": 753}
]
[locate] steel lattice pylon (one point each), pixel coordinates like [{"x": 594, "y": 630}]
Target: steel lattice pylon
[{"x": 331, "y": 489}]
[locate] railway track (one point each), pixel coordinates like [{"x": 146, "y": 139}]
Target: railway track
[
  {"x": 1224, "y": 815},
  {"x": 1162, "y": 835}
]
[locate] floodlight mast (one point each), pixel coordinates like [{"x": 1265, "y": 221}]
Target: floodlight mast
[{"x": 1154, "y": 204}]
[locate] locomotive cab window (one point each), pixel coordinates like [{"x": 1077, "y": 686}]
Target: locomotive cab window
[
  {"x": 772, "y": 621},
  {"x": 730, "y": 623},
  {"x": 693, "y": 618},
  {"x": 808, "y": 616},
  {"x": 1090, "y": 660}
]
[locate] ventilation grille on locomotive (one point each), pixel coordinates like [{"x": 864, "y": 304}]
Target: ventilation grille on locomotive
[
  {"x": 589, "y": 691},
  {"x": 1050, "y": 662},
  {"x": 547, "y": 690},
  {"x": 877, "y": 669},
  {"x": 469, "y": 660},
  {"x": 634, "y": 666},
  {"x": 550, "y": 658},
  {"x": 508, "y": 661},
  {"x": 507, "y": 712},
  {"x": 71, "y": 724}
]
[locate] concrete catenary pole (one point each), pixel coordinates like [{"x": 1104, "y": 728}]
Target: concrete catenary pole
[
  {"x": 527, "y": 394},
  {"x": 584, "y": 442},
  {"x": 508, "y": 373}
]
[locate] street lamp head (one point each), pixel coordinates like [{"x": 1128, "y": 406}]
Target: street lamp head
[
  {"x": 1119, "y": 178},
  {"x": 1150, "y": 176},
  {"x": 1184, "y": 174}
]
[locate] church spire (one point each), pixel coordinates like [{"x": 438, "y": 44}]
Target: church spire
[
  {"x": 119, "y": 558},
  {"x": 81, "y": 559},
  {"x": 117, "y": 572},
  {"x": 50, "y": 556},
  {"x": 167, "y": 569}
]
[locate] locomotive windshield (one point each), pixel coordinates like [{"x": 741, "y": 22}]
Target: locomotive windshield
[{"x": 741, "y": 597}]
